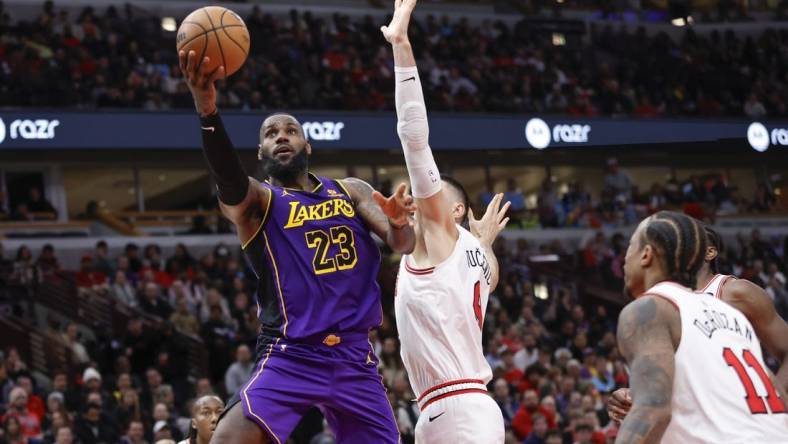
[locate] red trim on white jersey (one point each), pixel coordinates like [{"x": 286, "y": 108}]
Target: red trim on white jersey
[
  {"x": 418, "y": 271},
  {"x": 455, "y": 393},
  {"x": 718, "y": 295},
  {"x": 707, "y": 284},
  {"x": 448, "y": 384}
]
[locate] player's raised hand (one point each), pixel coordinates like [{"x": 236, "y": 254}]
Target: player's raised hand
[
  {"x": 200, "y": 82},
  {"x": 493, "y": 222},
  {"x": 397, "y": 31},
  {"x": 398, "y": 207},
  {"x": 618, "y": 404}
]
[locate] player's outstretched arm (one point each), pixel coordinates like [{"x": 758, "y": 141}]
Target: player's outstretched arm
[
  {"x": 388, "y": 218},
  {"x": 434, "y": 210},
  {"x": 648, "y": 330},
  {"x": 241, "y": 198},
  {"x": 771, "y": 329},
  {"x": 487, "y": 229}
]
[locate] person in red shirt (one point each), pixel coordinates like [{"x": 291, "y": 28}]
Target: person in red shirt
[
  {"x": 35, "y": 404},
  {"x": 29, "y": 423},
  {"x": 522, "y": 423},
  {"x": 512, "y": 374},
  {"x": 88, "y": 277}
]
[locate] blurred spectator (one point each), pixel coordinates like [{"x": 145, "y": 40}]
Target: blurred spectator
[
  {"x": 89, "y": 278},
  {"x": 102, "y": 262},
  {"x": 523, "y": 421},
  {"x": 24, "y": 267},
  {"x": 36, "y": 203},
  {"x": 123, "y": 291},
  {"x": 91, "y": 428},
  {"x": 753, "y": 107},
  {"x": 28, "y": 423},
  {"x": 64, "y": 435},
  {"x": 6, "y": 266},
  {"x": 617, "y": 181},
  {"x": 35, "y": 404},
  {"x": 135, "y": 434},
  {"x": 553, "y": 437},
  {"x": 13, "y": 434},
  {"x": 539, "y": 431},
  {"x": 507, "y": 403},
  {"x": 183, "y": 319},
  {"x": 152, "y": 302},
  {"x": 763, "y": 201},
  {"x": 199, "y": 226},
  {"x": 47, "y": 262},
  {"x": 238, "y": 373},
  {"x": 515, "y": 197}
]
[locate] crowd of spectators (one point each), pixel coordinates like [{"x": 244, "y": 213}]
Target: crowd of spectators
[
  {"x": 621, "y": 202},
  {"x": 124, "y": 59},
  {"x": 553, "y": 351}
]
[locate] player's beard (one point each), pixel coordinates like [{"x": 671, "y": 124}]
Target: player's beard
[{"x": 286, "y": 172}]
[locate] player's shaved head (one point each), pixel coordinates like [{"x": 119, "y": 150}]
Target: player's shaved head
[
  {"x": 281, "y": 118},
  {"x": 457, "y": 195},
  {"x": 284, "y": 149}
]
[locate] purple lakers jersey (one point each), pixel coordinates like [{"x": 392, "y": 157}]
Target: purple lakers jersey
[{"x": 316, "y": 263}]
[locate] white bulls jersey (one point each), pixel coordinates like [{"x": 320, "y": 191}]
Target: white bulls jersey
[
  {"x": 714, "y": 286},
  {"x": 722, "y": 390},
  {"x": 440, "y": 314}
]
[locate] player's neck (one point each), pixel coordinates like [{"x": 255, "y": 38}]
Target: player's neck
[
  {"x": 302, "y": 181},
  {"x": 654, "y": 276},
  {"x": 704, "y": 277}
]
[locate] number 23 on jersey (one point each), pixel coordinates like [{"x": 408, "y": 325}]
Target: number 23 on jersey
[{"x": 320, "y": 241}]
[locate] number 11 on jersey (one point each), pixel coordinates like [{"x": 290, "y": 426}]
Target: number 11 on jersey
[{"x": 754, "y": 402}]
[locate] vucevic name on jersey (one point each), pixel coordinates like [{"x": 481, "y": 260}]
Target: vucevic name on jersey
[{"x": 477, "y": 258}]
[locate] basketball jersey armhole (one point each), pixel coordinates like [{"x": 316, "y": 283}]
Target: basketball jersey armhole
[
  {"x": 266, "y": 214},
  {"x": 341, "y": 186},
  {"x": 724, "y": 282}
]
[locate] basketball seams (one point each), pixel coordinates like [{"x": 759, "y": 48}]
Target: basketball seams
[
  {"x": 205, "y": 29},
  {"x": 246, "y": 53},
  {"x": 218, "y": 41},
  {"x": 223, "y": 26},
  {"x": 204, "y": 33}
]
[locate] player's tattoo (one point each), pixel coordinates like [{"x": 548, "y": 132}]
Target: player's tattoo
[
  {"x": 646, "y": 341},
  {"x": 400, "y": 240}
]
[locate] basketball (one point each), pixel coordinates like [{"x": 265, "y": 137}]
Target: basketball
[{"x": 216, "y": 33}]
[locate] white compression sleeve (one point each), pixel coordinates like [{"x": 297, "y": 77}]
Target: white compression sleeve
[{"x": 414, "y": 133}]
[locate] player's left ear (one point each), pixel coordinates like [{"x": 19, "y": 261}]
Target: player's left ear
[
  {"x": 458, "y": 211},
  {"x": 647, "y": 256},
  {"x": 711, "y": 253},
  {"x": 308, "y": 149}
]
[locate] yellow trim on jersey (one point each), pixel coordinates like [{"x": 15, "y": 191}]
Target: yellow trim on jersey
[
  {"x": 246, "y": 396},
  {"x": 342, "y": 185},
  {"x": 278, "y": 284},
  {"x": 262, "y": 223},
  {"x": 317, "y": 187}
]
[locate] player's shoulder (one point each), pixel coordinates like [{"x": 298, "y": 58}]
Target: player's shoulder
[
  {"x": 649, "y": 315},
  {"x": 355, "y": 188},
  {"x": 746, "y": 297}
]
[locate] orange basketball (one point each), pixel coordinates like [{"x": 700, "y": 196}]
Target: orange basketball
[{"x": 217, "y": 33}]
